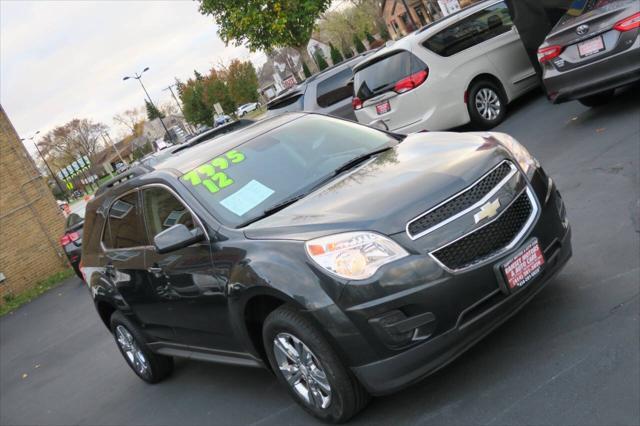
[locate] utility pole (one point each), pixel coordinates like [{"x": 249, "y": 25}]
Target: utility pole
[
  {"x": 109, "y": 141},
  {"x": 170, "y": 89},
  {"x": 55, "y": 178},
  {"x": 139, "y": 78}
]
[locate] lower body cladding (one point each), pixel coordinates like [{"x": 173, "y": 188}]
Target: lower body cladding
[
  {"x": 604, "y": 75},
  {"x": 420, "y": 329}
]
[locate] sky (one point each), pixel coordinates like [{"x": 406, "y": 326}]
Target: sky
[{"x": 61, "y": 60}]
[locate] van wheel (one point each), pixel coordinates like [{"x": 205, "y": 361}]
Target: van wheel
[
  {"x": 305, "y": 363},
  {"x": 487, "y": 104},
  {"x": 149, "y": 366},
  {"x": 597, "y": 99}
]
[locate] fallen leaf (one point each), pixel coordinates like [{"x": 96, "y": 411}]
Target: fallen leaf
[
  {"x": 600, "y": 130},
  {"x": 574, "y": 118},
  {"x": 25, "y": 375},
  {"x": 37, "y": 365}
]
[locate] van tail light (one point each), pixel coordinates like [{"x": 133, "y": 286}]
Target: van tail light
[
  {"x": 411, "y": 82},
  {"x": 629, "y": 23},
  {"x": 546, "y": 54},
  {"x": 356, "y": 103},
  {"x": 67, "y": 239}
]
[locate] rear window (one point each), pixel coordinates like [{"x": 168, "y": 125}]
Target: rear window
[
  {"x": 579, "y": 8},
  {"x": 381, "y": 75},
  {"x": 335, "y": 88},
  {"x": 287, "y": 103},
  {"x": 473, "y": 30}
]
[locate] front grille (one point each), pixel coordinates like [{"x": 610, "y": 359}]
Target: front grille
[
  {"x": 486, "y": 241},
  {"x": 460, "y": 203}
]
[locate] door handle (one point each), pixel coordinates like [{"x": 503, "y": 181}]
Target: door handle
[{"x": 155, "y": 270}]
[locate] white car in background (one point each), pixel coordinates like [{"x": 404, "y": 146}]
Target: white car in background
[
  {"x": 243, "y": 109},
  {"x": 464, "y": 68}
]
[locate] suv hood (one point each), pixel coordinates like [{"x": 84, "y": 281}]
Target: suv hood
[{"x": 386, "y": 192}]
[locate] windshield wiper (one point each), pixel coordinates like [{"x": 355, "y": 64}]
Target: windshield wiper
[
  {"x": 291, "y": 200},
  {"x": 357, "y": 160}
]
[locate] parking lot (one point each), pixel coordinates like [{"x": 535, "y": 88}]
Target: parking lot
[{"x": 572, "y": 356}]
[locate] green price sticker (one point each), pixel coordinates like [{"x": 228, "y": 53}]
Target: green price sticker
[{"x": 210, "y": 174}]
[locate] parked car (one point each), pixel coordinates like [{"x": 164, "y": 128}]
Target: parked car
[
  {"x": 328, "y": 92},
  {"x": 219, "y": 120},
  {"x": 586, "y": 57},
  {"x": 71, "y": 240},
  {"x": 243, "y": 109},
  {"x": 464, "y": 68},
  {"x": 348, "y": 260}
]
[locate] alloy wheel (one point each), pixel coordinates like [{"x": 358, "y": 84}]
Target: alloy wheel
[
  {"x": 302, "y": 370},
  {"x": 488, "y": 103},
  {"x": 132, "y": 351}
]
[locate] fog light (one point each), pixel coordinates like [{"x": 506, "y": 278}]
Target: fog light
[{"x": 384, "y": 326}]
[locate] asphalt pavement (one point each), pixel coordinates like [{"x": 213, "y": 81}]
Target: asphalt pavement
[{"x": 572, "y": 356}]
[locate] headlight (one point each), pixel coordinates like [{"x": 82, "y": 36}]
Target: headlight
[
  {"x": 354, "y": 255},
  {"x": 527, "y": 162}
]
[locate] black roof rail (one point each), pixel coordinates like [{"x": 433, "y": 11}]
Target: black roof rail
[{"x": 124, "y": 176}]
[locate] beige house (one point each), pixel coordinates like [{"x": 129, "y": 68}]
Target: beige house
[{"x": 30, "y": 221}]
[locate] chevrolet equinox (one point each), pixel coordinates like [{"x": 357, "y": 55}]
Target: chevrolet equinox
[{"x": 347, "y": 260}]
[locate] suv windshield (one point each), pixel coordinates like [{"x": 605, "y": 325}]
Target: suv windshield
[
  {"x": 382, "y": 74},
  {"x": 241, "y": 184}
]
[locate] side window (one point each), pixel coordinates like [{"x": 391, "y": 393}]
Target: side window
[
  {"x": 335, "y": 88},
  {"x": 162, "y": 210},
  {"x": 477, "y": 28},
  {"x": 124, "y": 228}
]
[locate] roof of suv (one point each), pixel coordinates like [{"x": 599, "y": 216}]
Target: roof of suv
[{"x": 407, "y": 42}]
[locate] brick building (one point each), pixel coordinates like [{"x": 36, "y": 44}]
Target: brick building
[
  {"x": 30, "y": 220},
  {"x": 404, "y": 16}
]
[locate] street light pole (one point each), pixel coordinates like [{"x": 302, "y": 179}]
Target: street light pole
[
  {"x": 64, "y": 194},
  {"x": 139, "y": 78}
]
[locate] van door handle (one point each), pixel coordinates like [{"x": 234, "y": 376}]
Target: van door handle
[{"x": 155, "y": 270}]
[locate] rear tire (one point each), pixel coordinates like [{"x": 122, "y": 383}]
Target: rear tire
[
  {"x": 487, "y": 104},
  {"x": 597, "y": 99},
  {"x": 149, "y": 366},
  {"x": 317, "y": 378}
]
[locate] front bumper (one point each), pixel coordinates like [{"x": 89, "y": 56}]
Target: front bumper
[{"x": 393, "y": 373}]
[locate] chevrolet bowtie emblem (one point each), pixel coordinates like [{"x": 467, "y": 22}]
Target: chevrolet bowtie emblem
[{"x": 488, "y": 210}]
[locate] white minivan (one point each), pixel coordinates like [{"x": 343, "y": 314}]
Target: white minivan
[{"x": 464, "y": 68}]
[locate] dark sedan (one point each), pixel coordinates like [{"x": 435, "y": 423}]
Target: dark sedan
[
  {"x": 348, "y": 260},
  {"x": 71, "y": 240},
  {"x": 592, "y": 51}
]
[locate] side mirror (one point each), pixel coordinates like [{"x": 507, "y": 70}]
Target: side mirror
[{"x": 176, "y": 237}]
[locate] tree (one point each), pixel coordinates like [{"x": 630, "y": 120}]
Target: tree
[
  {"x": 347, "y": 52},
  {"x": 191, "y": 96},
  {"x": 357, "y": 43},
  {"x": 265, "y": 25},
  {"x": 242, "y": 81},
  {"x": 369, "y": 37},
  {"x": 322, "y": 63},
  {"x": 217, "y": 91},
  {"x": 130, "y": 118},
  {"x": 152, "y": 111},
  {"x": 305, "y": 70},
  {"x": 77, "y": 138},
  {"x": 336, "y": 56}
]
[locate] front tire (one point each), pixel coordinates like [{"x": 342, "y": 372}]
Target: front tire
[
  {"x": 149, "y": 366},
  {"x": 597, "y": 99},
  {"x": 305, "y": 363},
  {"x": 487, "y": 104}
]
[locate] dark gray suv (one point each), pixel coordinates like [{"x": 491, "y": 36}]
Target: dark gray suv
[{"x": 328, "y": 92}]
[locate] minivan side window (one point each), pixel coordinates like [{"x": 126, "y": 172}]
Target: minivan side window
[
  {"x": 162, "y": 210},
  {"x": 335, "y": 88},
  {"x": 473, "y": 30},
  {"x": 124, "y": 227}
]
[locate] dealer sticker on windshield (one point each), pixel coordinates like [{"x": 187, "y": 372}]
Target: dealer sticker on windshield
[{"x": 211, "y": 174}]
